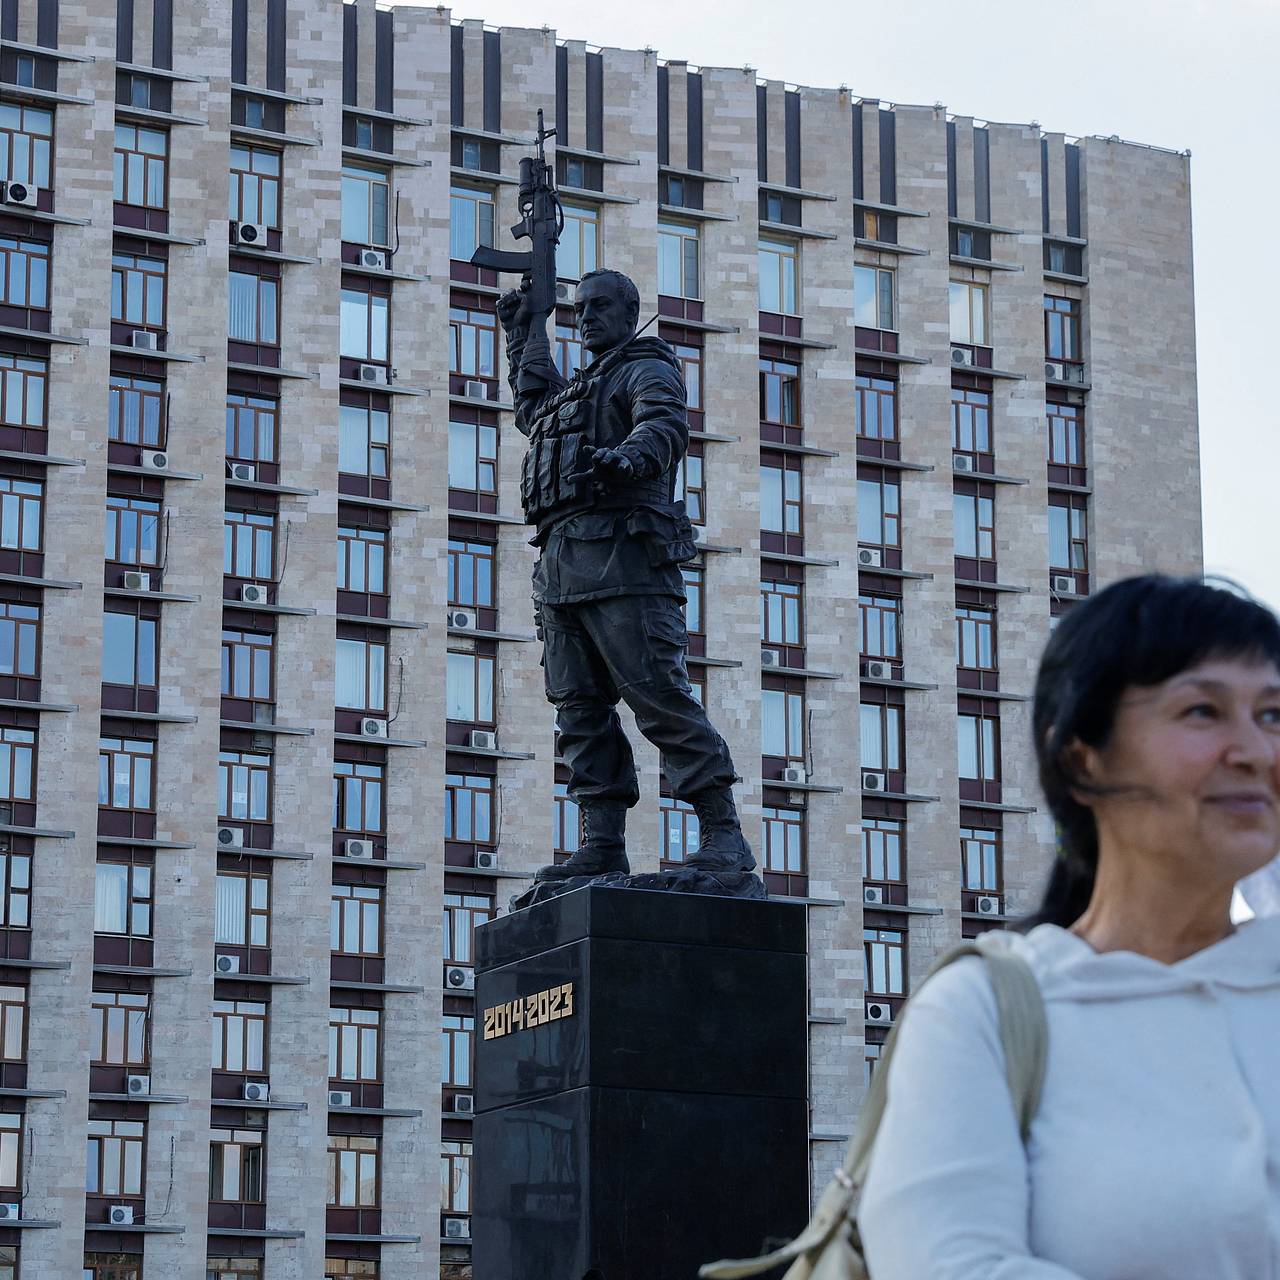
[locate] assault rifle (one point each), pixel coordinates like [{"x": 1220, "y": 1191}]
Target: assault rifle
[{"x": 542, "y": 221}]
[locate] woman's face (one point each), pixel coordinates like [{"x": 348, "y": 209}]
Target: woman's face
[{"x": 1199, "y": 760}]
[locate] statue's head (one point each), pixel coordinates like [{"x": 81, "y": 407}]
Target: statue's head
[{"x": 607, "y": 307}]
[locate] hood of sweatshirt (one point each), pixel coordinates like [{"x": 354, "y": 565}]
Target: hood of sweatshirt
[{"x": 1068, "y": 968}]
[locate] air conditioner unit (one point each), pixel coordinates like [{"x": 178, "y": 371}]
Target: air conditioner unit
[
  {"x": 872, "y": 897},
  {"x": 486, "y": 860},
  {"x": 879, "y": 1014},
  {"x": 372, "y": 727},
  {"x": 872, "y": 781},
  {"x": 251, "y": 233},
  {"x": 358, "y": 848},
  {"x": 562, "y": 292},
  {"x": 255, "y": 1091},
  {"x": 144, "y": 340},
  {"x": 961, "y": 462},
  {"x": 482, "y": 740},
  {"x": 870, "y": 557},
  {"x": 377, "y": 374},
  {"x": 230, "y": 838},
  {"x": 339, "y": 1097},
  {"x": 22, "y": 193},
  {"x": 137, "y": 1084},
  {"x": 961, "y": 355},
  {"x": 137, "y": 581},
  {"x": 253, "y": 593},
  {"x": 226, "y": 964},
  {"x": 794, "y": 773},
  {"x": 458, "y": 978},
  {"x": 1064, "y": 582},
  {"x": 878, "y": 671},
  {"x": 154, "y": 460},
  {"x": 1054, "y": 370},
  {"x": 464, "y": 1105},
  {"x": 988, "y": 905},
  {"x": 457, "y": 1229},
  {"x": 462, "y": 619},
  {"x": 770, "y": 658},
  {"x": 376, "y": 258},
  {"x": 474, "y": 389},
  {"x": 243, "y": 471},
  {"x": 10, "y": 1212},
  {"x": 120, "y": 1215}
]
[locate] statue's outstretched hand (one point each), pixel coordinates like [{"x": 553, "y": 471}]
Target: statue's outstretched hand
[{"x": 611, "y": 466}]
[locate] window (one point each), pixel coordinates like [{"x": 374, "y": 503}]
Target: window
[
  {"x": 680, "y": 832},
  {"x": 17, "y": 763},
  {"x": 19, "y": 639},
  {"x": 122, "y": 899},
  {"x": 244, "y": 786},
  {"x": 468, "y": 808},
  {"x": 879, "y": 511},
  {"x": 355, "y": 920},
  {"x": 21, "y": 509},
  {"x": 980, "y": 855},
  {"x": 971, "y": 242},
  {"x": 248, "y": 545},
  {"x": 462, "y": 912},
  {"x": 783, "y": 839},
  {"x": 882, "y": 840},
  {"x": 253, "y": 308},
  {"x": 363, "y": 325},
  {"x": 473, "y": 342},
  {"x": 776, "y": 262},
  {"x": 782, "y": 724},
  {"x": 354, "y": 1044},
  {"x": 881, "y": 627},
  {"x": 137, "y": 289},
  {"x": 471, "y": 574},
  {"x": 471, "y": 220},
  {"x": 694, "y": 579},
  {"x": 361, "y": 675},
  {"x": 690, "y": 361},
  {"x": 567, "y": 821},
  {"x": 362, "y": 560},
  {"x": 222, "y": 1268},
  {"x": 884, "y": 951},
  {"x": 978, "y": 747},
  {"x": 678, "y": 260},
  {"x": 247, "y": 665},
  {"x": 342, "y": 1268},
  {"x": 357, "y": 796},
  {"x": 473, "y": 457},
  {"x": 970, "y": 420},
  {"x": 975, "y": 638},
  {"x": 121, "y": 1029},
  {"x": 24, "y": 272},
  {"x": 1066, "y": 434},
  {"x": 570, "y": 354},
  {"x": 469, "y": 688},
  {"x": 457, "y": 1035},
  {"x": 255, "y": 185},
  {"x": 22, "y": 391},
  {"x": 364, "y": 441},
  {"x": 139, "y": 174},
  {"x": 366, "y": 197},
  {"x": 353, "y": 1170},
  {"x": 1068, "y": 537},
  {"x": 251, "y": 427},
  {"x": 136, "y": 410},
  {"x": 968, "y": 312},
  {"x": 780, "y": 604},
  {"x": 578, "y": 250},
  {"x": 124, "y": 772},
  {"x": 781, "y": 503},
  {"x": 242, "y": 911},
  {"x": 235, "y": 1165},
  {"x": 113, "y": 1161},
  {"x": 455, "y": 1177},
  {"x": 15, "y": 890},
  {"x": 10, "y": 1148},
  {"x": 975, "y": 525},
  {"x": 239, "y": 1035},
  {"x": 132, "y": 531},
  {"x": 876, "y": 408},
  {"x": 780, "y": 392},
  {"x": 1061, "y": 328},
  {"x": 129, "y": 650},
  {"x": 873, "y": 297},
  {"x": 880, "y": 732},
  {"x": 26, "y": 144},
  {"x": 13, "y": 1023}
]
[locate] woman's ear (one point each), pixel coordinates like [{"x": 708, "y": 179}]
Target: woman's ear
[{"x": 1080, "y": 764}]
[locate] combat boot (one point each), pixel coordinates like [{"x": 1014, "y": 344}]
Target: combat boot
[
  {"x": 721, "y": 846},
  {"x": 603, "y": 849}
]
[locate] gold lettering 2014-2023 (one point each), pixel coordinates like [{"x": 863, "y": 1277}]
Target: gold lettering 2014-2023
[{"x": 529, "y": 1011}]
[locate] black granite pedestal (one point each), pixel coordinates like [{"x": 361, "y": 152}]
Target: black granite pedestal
[{"x": 640, "y": 1085}]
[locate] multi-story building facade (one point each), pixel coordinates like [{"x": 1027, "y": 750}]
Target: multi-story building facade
[{"x": 941, "y": 383}]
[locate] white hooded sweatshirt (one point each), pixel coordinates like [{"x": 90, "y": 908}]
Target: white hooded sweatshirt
[{"x": 1155, "y": 1154}]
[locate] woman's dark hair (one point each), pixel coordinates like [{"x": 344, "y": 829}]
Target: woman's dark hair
[{"x": 1141, "y": 631}]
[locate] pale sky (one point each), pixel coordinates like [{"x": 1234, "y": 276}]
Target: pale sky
[{"x": 1174, "y": 73}]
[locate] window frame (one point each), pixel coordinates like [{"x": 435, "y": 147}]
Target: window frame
[
  {"x": 354, "y": 1039},
  {"x": 883, "y": 298},
  {"x": 366, "y": 781},
  {"x": 115, "y": 1157},
  {"x": 464, "y": 795},
  {"x": 575, "y": 238},
  {"x": 18, "y": 258},
  {"x": 373, "y": 448},
  {"x": 37, "y": 150},
  {"x": 883, "y": 842},
  {"x": 259, "y": 182},
  {"x": 256, "y": 767},
  {"x": 102, "y": 1005},
  {"x": 976, "y": 305},
  {"x": 125, "y": 174},
  {"x": 256, "y": 419},
  {"x": 244, "y": 1024},
  {"x": 374, "y": 180},
  {"x": 682, "y": 234},
  {"x": 151, "y": 395},
  {"x": 140, "y": 753},
  {"x": 357, "y": 920},
  {"x": 785, "y": 272},
  {"x": 874, "y": 389}
]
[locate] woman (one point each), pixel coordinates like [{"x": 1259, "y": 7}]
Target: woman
[{"x": 1155, "y": 1154}]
